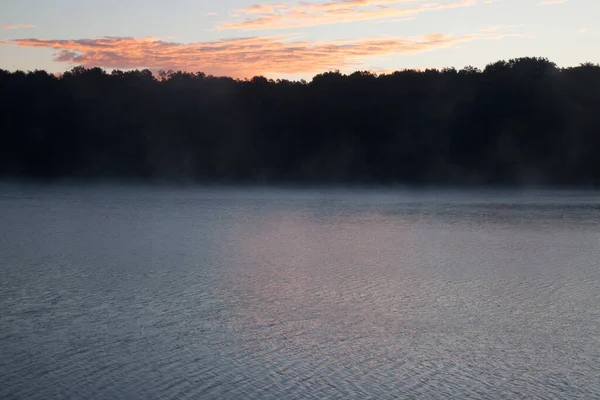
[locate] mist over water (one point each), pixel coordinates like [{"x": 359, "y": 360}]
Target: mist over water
[{"x": 120, "y": 292}]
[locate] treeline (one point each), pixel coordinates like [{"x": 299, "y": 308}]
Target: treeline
[{"x": 523, "y": 121}]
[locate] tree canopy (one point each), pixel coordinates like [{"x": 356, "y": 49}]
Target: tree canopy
[{"x": 516, "y": 122}]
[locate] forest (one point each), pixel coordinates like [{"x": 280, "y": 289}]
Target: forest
[{"x": 525, "y": 121}]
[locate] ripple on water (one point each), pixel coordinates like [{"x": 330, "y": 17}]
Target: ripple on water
[{"x": 217, "y": 294}]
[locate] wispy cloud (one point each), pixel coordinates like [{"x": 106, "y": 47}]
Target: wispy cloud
[
  {"x": 210, "y": 14},
  {"x": 302, "y": 14},
  {"x": 551, "y": 2},
  {"x": 242, "y": 57},
  {"x": 5, "y": 27}
]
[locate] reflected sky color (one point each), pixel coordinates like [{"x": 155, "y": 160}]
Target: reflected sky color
[
  {"x": 293, "y": 39},
  {"x": 124, "y": 292}
]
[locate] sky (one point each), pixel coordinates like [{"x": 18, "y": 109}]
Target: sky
[{"x": 293, "y": 39}]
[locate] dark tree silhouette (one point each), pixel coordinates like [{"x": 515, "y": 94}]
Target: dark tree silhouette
[{"x": 522, "y": 121}]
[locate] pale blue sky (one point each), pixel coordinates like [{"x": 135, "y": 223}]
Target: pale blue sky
[{"x": 567, "y": 33}]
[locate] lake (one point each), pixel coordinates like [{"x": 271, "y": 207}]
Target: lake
[{"x": 114, "y": 292}]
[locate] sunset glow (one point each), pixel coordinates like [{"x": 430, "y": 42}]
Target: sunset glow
[{"x": 300, "y": 38}]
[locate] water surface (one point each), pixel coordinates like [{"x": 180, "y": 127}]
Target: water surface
[{"x": 115, "y": 292}]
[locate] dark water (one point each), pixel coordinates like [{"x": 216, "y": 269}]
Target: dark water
[{"x": 115, "y": 293}]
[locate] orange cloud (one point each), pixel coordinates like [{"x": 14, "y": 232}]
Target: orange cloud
[
  {"x": 281, "y": 16},
  {"x": 243, "y": 57},
  {"x": 17, "y": 26}
]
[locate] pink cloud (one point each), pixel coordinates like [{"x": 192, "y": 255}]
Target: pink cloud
[
  {"x": 241, "y": 57},
  {"x": 17, "y": 26},
  {"x": 264, "y": 8},
  {"x": 280, "y": 16}
]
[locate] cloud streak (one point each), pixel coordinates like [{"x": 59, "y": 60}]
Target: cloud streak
[
  {"x": 303, "y": 14},
  {"x": 242, "y": 57},
  {"x": 6, "y": 27}
]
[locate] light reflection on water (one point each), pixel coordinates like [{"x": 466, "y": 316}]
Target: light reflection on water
[{"x": 298, "y": 294}]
